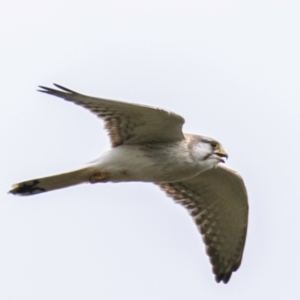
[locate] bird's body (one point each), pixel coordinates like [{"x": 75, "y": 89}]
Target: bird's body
[
  {"x": 151, "y": 162},
  {"x": 148, "y": 146},
  {"x": 148, "y": 163}
]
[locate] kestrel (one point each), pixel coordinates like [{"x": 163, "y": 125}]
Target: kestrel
[{"x": 148, "y": 145}]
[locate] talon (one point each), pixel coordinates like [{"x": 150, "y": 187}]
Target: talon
[{"x": 99, "y": 177}]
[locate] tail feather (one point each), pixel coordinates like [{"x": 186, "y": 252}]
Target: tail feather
[{"x": 45, "y": 184}]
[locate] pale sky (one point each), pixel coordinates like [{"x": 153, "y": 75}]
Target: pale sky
[{"x": 231, "y": 68}]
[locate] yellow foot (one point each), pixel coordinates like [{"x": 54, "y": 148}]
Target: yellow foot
[{"x": 99, "y": 177}]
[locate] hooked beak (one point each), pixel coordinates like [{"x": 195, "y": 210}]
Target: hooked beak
[{"x": 221, "y": 153}]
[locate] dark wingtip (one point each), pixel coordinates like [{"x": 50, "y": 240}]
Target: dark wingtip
[
  {"x": 42, "y": 89},
  {"x": 47, "y": 90},
  {"x": 224, "y": 277},
  {"x": 63, "y": 88}
]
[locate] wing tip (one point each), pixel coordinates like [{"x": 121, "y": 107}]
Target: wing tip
[
  {"x": 47, "y": 90},
  {"x": 223, "y": 277}
]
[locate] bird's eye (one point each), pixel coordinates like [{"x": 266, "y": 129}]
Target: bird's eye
[{"x": 214, "y": 145}]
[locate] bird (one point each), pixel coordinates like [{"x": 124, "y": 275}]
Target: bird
[{"x": 148, "y": 145}]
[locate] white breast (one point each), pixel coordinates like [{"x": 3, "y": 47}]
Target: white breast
[{"x": 149, "y": 162}]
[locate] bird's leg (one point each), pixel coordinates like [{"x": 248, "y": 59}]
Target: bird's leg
[{"x": 99, "y": 177}]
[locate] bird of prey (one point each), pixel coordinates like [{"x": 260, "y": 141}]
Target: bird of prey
[{"x": 148, "y": 145}]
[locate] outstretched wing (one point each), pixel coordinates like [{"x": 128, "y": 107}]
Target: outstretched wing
[
  {"x": 217, "y": 200},
  {"x": 127, "y": 123}
]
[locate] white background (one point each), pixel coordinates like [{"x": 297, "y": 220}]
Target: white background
[{"x": 231, "y": 68}]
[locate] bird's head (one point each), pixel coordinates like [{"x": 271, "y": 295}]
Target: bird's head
[{"x": 207, "y": 151}]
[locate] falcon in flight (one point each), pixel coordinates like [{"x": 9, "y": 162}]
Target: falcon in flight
[{"x": 148, "y": 145}]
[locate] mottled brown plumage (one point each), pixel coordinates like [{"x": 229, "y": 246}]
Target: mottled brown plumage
[
  {"x": 127, "y": 123},
  {"x": 217, "y": 201}
]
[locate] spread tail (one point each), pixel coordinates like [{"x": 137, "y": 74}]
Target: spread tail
[{"x": 45, "y": 184}]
